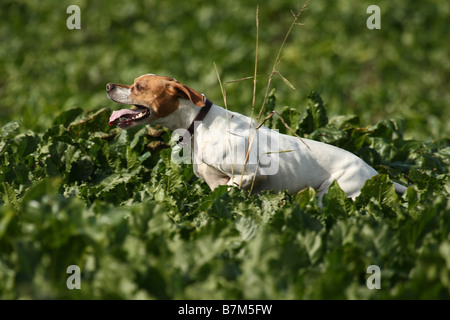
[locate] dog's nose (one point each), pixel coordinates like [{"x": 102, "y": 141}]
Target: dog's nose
[{"x": 110, "y": 86}]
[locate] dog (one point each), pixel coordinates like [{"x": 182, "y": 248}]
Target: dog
[{"x": 228, "y": 148}]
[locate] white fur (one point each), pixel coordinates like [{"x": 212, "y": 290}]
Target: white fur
[
  {"x": 275, "y": 162},
  {"x": 220, "y": 147}
]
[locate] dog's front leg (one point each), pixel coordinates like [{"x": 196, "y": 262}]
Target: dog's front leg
[
  {"x": 235, "y": 176},
  {"x": 246, "y": 181}
]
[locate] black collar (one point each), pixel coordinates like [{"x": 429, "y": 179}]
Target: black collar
[{"x": 200, "y": 116}]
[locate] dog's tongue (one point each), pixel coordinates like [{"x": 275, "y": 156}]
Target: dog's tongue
[{"x": 120, "y": 113}]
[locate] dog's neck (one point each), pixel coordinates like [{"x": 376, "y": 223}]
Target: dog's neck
[{"x": 181, "y": 118}]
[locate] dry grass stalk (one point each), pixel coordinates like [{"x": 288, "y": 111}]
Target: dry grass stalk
[{"x": 273, "y": 73}]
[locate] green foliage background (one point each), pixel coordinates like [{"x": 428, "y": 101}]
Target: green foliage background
[{"x": 76, "y": 191}]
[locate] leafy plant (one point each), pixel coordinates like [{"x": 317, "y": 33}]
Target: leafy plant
[
  {"x": 75, "y": 191},
  {"x": 140, "y": 226}
]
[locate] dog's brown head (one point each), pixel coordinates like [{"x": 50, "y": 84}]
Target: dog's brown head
[{"x": 152, "y": 97}]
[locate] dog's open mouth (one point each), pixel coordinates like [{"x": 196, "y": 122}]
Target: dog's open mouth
[{"x": 125, "y": 118}]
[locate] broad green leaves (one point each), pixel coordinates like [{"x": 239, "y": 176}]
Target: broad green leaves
[{"x": 140, "y": 226}]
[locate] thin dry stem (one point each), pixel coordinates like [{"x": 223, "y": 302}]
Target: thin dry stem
[
  {"x": 238, "y": 80},
  {"x": 278, "y": 58},
  {"x": 222, "y": 89},
  {"x": 224, "y": 94},
  {"x": 256, "y": 64},
  {"x": 272, "y": 74},
  {"x": 284, "y": 123}
]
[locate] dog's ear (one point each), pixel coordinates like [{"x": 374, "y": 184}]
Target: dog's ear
[{"x": 188, "y": 93}]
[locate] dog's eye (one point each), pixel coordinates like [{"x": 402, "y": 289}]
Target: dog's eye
[{"x": 139, "y": 87}]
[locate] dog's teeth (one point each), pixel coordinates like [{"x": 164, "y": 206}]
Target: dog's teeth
[{"x": 132, "y": 117}]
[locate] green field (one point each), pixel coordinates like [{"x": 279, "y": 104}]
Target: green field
[{"x": 75, "y": 191}]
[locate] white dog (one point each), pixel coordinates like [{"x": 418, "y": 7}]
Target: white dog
[{"x": 230, "y": 150}]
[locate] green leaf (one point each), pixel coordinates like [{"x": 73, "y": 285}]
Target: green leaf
[
  {"x": 7, "y": 129},
  {"x": 412, "y": 198},
  {"x": 271, "y": 101},
  {"x": 67, "y": 117},
  {"x": 247, "y": 227},
  {"x": 290, "y": 116},
  {"x": 328, "y": 135},
  {"x": 81, "y": 169},
  {"x": 26, "y": 144},
  {"x": 314, "y": 245},
  {"x": 113, "y": 181},
  {"x": 9, "y": 196},
  {"x": 389, "y": 129},
  {"x": 336, "y": 202},
  {"x": 305, "y": 197},
  {"x": 98, "y": 120},
  {"x": 315, "y": 115},
  {"x": 344, "y": 121},
  {"x": 379, "y": 196}
]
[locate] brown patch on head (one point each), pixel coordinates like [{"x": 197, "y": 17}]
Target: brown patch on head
[{"x": 161, "y": 94}]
